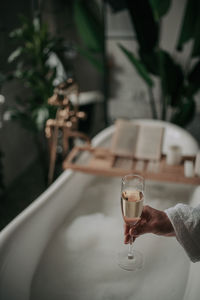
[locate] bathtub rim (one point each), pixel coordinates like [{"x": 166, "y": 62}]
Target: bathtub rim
[{"x": 43, "y": 198}]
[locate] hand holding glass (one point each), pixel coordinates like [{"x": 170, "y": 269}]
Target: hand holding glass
[{"x": 132, "y": 197}]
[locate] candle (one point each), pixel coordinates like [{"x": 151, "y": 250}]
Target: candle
[
  {"x": 188, "y": 168},
  {"x": 197, "y": 164},
  {"x": 174, "y": 155}
]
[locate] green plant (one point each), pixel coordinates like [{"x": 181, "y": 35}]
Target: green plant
[
  {"x": 89, "y": 23},
  {"x": 30, "y": 65},
  {"x": 89, "y": 18},
  {"x": 30, "y": 60},
  {"x": 178, "y": 83}
]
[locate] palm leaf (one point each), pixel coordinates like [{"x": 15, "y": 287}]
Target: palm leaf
[
  {"x": 171, "y": 75},
  {"x": 97, "y": 62},
  {"x": 191, "y": 15},
  {"x": 139, "y": 66},
  {"x": 89, "y": 26},
  {"x": 185, "y": 112},
  {"x": 160, "y": 8},
  {"x": 196, "y": 45},
  {"x": 193, "y": 79},
  {"x": 150, "y": 60},
  {"x": 146, "y": 28}
]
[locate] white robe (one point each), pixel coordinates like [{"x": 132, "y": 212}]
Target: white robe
[{"x": 186, "y": 223}]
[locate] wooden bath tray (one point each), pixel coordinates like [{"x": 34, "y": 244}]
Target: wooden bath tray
[{"x": 101, "y": 161}]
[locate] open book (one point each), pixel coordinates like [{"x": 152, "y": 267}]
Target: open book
[{"x": 137, "y": 141}]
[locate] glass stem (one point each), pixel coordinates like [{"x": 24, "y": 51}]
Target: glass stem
[{"x": 130, "y": 248}]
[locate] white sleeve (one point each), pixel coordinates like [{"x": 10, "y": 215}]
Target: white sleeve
[{"x": 186, "y": 223}]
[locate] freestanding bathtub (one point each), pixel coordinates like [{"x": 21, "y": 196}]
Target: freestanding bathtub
[{"x": 64, "y": 245}]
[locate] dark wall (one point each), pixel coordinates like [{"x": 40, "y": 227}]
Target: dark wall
[
  {"x": 17, "y": 143},
  {"x": 9, "y": 11}
]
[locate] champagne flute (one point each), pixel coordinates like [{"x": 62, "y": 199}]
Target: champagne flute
[{"x": 132, "y": 198}]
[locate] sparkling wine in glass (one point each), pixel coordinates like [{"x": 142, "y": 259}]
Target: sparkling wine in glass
[{"x": 132, "y": 198}]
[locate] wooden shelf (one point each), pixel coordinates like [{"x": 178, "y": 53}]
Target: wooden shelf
[{"x": 101, "y": 161}]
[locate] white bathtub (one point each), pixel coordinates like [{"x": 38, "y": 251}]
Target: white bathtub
[{"x": 42, "y": 258}]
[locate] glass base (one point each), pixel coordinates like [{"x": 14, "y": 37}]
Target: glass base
[{"x": 130, "y": 262}]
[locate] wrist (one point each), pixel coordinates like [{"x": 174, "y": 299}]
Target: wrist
[{"x": 168, "y": 227}]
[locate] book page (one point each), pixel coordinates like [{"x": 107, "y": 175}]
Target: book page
[
  {"x": 124, "y": 138},
  {"x": 149, "y": 142}
]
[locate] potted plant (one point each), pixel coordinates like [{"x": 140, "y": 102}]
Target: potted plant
[
  {"x": 31, "y": 65},
  {"x": 178, "y": 83}
]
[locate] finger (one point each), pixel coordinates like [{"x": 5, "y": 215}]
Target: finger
[
  {"x": 126, "y": 228},
  {"x": 127, "y": 239},
  {"x": 142, "y": 228},
  {"x": 144, "y": 224},
  {"x": 146, "y": 212}
]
